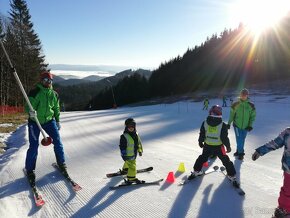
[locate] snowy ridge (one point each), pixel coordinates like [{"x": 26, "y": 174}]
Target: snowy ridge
[{"x": 169, "y": 135}]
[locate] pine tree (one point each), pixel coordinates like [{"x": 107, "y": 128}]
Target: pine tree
[{"x": 29, "y": 61}]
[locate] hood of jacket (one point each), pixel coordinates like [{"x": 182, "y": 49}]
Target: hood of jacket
[{"x": 213, "y": 121}]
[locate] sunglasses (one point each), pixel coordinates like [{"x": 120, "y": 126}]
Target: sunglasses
[{"x": 47, "y": 80}]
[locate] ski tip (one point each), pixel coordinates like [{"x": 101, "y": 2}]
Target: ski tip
[
  {"x": 39, "y": 201},
  {"x": 77, "y": 188}
]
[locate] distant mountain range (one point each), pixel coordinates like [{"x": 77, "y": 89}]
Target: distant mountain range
[
  {"x": 69, "y": 80},
  {"x": 101, "y": 68},
  {"x": 75, "y": 93}
]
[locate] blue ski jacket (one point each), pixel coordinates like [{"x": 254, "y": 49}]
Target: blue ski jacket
[{"x": 283, "y": 140}]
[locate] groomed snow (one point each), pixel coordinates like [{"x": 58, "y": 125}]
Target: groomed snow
[{"x": 169, "y": 134}]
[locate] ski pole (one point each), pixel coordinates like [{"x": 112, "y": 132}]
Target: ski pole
[{"x": 46, "y": 139}]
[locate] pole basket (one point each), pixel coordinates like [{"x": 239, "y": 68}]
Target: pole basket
[{"x": 46, "y": 141}]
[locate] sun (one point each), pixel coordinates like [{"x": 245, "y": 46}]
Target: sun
[{"x": 258, "y": 15}]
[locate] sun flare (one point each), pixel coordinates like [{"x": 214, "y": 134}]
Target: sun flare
[{"x": 258, "y": 15}]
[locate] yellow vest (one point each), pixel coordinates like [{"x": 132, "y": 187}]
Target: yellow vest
[
  {"x": 130, "y": 145},
  {"x": 212, "y": 134}
]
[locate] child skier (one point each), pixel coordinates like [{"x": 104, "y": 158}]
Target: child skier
[
  {"x": 205, "y": 104},
  {"x": 213, "y": 138},
  {"x": 282, "y": 140},
  {"x": 130, "y": 145}
]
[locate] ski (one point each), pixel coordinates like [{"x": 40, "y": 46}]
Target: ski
[
  {"x": 110, "y": 175},
  {"x": 211, "y": 170},
  {"x": 36, "y": 195},
  {"x": 136, "y": 184},
  {"x": 75, "y": 186},
  {"x": 235, "y": 184}
]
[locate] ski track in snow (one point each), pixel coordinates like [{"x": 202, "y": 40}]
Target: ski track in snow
[{"x": 169, "y": 134}]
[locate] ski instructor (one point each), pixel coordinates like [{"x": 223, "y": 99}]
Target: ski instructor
[
  {"x": 45, "y": 102},
  {"x": 242, "y": 115}
]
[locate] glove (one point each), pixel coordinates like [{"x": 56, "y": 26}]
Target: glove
[
  {"x": 249, "y": 128},
  {"x": 123, "y": 152},
  {"x": 255, "y": 156},
  {"x": 228, "y": 126},
  {"x": 32, "y": 114},
  {"x": 140, "y": 154},
  {"x": 58, "y": 125},
  {"x": 201, "y": 145},
  {"x": 229, "y": 149}
]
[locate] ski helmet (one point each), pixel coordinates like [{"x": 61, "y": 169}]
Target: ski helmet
[
  {"x": 130, "y": 122},
  {"x": 245, "y": 92},
  {"x": 46, "y": 74},
  {"x": 216, "y": 111}
]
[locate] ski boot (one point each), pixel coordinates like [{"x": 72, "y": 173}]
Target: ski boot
[
  {"x": 135, "y": 180},
  {"x": 234, "y": 181},
  {"x": 236, "y": 154},
  {"x": 281, "y": 213},
  {"x": 195, "y": 174},
  {"x": 63, "y": 169},
  {"x": 31, "y": 178},
  {"x": 241, "y": 156}
]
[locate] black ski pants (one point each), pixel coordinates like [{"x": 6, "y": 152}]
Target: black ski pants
[{"x": 216, "y": 151}]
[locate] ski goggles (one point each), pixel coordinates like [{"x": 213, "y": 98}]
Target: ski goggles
[{"x": 47, "y": 80}]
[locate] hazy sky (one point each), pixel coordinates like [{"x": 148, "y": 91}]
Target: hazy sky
[{"x": 138, "y": 33}]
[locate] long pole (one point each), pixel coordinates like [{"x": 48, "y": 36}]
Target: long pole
[
  {"x": 115, "y": 105},
  {"x": 47, "y": 140}
]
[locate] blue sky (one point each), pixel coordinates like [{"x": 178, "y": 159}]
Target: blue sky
[{"x": 137, "y": 33}]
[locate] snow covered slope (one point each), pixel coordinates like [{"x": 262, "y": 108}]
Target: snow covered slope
[{"x": 169, "y": 134}]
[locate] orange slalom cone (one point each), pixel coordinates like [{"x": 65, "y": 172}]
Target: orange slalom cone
[
  {"x": 181, "y": 168},
  {"x": 170, "y": 177},
  {"x": 205, "y": 164}
]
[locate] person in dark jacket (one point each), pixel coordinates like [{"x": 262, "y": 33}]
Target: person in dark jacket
[
  {"x": 213, "y": 139},
  {"x": 45, "y": 102},
  {"x": 130, "y": 146}
]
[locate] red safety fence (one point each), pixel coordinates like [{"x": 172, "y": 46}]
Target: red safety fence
[{"x": 4, "y": 109}]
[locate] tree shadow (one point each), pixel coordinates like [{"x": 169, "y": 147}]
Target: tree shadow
[
  {"x": 11, "y": 189},
  {"x": 14, "y": 142},
  {"x": 97, "y": 203},
  {"x": 183, "y": 200},
  {"x": 55, "y": 177},
  {"x": 225, "y": 202}
]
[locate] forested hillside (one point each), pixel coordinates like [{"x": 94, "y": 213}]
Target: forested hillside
[
  {"x": 232, "y": 59},
  {"x": 25, "y": 51}
]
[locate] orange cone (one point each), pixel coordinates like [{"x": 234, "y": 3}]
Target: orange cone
[
  {"x": 205, "y": 164},
  {"x": 170, "y": 177}
]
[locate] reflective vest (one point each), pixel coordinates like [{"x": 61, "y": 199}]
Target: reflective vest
[
  {"x": 212, "y": 134},
  {"x": 130, "y": 150}
]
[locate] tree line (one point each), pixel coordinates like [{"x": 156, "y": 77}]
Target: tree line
[
  {"x": 25, "y": 51},
  {"x": 231, "y": 59}
]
